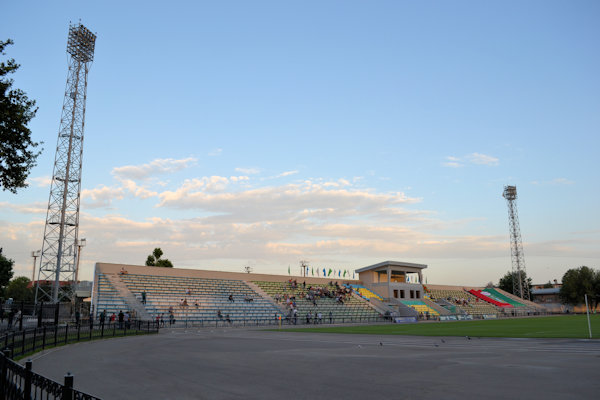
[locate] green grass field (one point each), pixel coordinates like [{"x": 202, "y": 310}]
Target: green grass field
[{"x": 567, "y": 326}]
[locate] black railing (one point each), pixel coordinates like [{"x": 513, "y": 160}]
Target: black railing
[
  {"x": 20, "y": 382},
  {"x": 285, "y": 320}
]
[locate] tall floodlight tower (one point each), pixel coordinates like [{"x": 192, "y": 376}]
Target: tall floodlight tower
[
  {"x": 516, "y": 245},
  {"x": 59, "y": 250}
]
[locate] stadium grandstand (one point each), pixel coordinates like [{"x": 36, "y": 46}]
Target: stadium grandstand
[{"x": 390, "y": 290}]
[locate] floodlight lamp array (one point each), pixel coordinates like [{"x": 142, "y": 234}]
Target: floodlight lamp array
[
  {"x": 510, "y": 192},
  {"x": 81, "y": 43}
]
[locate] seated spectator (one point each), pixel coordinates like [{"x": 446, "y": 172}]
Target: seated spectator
[
  {"x": 219, "y": 315},
  {"x": 231, "y": 298},
  {"x": 123, "y": 271}
]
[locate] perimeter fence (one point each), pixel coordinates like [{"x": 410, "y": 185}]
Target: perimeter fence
[{"x": 18, "y": 382}]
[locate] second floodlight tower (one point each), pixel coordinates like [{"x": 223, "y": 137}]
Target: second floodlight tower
[
  {"x": 520, "y": 288},
  {"x": 59, "y": 251}
]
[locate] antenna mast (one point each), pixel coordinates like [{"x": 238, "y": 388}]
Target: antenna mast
[
  {"x": 60, "y": 247},
  {"x": 516, "y": 245}
]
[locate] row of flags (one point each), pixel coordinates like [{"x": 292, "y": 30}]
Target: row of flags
[{"x": 333, "y": 272}]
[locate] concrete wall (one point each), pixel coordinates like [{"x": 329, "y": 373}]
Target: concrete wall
[{"x": 108, "y": 268}]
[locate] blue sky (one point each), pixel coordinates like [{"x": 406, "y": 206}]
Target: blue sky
[{"x": 341, "y": 132}]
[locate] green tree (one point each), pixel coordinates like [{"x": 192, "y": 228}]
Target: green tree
[
  {"x": 577, "y": 282},
  {"x": 6, "y": 272},
  {"x": 19, "y": 289},
  {"x": 17, "y": 150},
  {"x": 506, "y": 282},
  {"x": 155, "y": 260}
]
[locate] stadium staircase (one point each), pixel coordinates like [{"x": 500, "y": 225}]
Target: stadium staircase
[
  {"x": 402, "y": 309},
  {"x": 264, "y": 295},
  {"x": 133, "y": 304}
]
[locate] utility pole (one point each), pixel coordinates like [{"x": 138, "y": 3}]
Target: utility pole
[{"x": 35, "y": 254}]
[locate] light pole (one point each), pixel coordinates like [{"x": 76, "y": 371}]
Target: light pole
[
  {"x": 35, "y": 255},
  {"x": 80, "y": 244}
]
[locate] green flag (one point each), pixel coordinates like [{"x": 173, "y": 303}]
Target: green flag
[
  {"x": 288, "y": 269},
  {"x": 312, "y": 271},
  {"x": 329, "y": 272},
  {"x": 344, "y": 273}
]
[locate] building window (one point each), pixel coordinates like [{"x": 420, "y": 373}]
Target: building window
[
  {"x": 418, "y": 294},
  {"x": 401, "y": 294},
  {"x": 412, "y": 294},
  {"x": 396, "y": 293}
]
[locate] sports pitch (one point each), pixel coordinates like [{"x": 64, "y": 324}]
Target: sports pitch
[{"x": 571, "y": 326}]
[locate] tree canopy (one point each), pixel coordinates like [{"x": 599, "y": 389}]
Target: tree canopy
[
  {"x": 17, "y": 150},
  {"x": 577, "y": 282},
  {"x": 506, "y": 282},
  {"x": 6, "y": 272},
  {"x": 155, "y": 260},
  {"x": 18, "y": 289}
]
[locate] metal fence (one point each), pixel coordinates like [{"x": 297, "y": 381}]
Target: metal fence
[
  {"x": 249, "y": 322},
  {"x": 20, "y": 382}
]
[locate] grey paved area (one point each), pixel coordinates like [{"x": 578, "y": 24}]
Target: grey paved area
[{"x": 251, "y": 364}]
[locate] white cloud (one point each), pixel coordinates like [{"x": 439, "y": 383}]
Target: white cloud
[
  {"x": 215, "y": 152},
  {"x": 482, "y": 159},
  {"x": 286, "y": 173},
  {"x": 101, "y": 196},
  {"x": 32, "y": 208},
  {"x": 153, "y": 168},
  {"x": 41, "y": 181},
  {"x": 473, "y": 158}
]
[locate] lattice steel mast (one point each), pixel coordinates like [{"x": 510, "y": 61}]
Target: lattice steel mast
[
  {"x": 59, "y": 250},
  {"x": 516, "y": 245}
]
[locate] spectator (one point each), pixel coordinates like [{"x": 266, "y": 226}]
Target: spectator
[
  {"x": 231, "y": 298},
  {"x": 219, "y": 315},
  {"x": 11, "y": 316},
  {"x": 144, "y": 297},
  {"x": 121, "y": 319},
  {"x": 77, "y": 317},
  {"x": 102, "y": 317},
  {"x": 320, "y": 317},
  {"x": 330, "y": 317},
  {"x": 126, "y": 320}
]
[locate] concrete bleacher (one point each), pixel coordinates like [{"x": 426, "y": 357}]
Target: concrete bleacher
[
  {"x": 164, "y": 293},
  {"x": 354, "y": 308},
  {"x": 420, "y": 307},
  {"x": 366, "y": 293},
  {"x": 450, "y": 294},
  {"x": 108, "y": 297}
]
